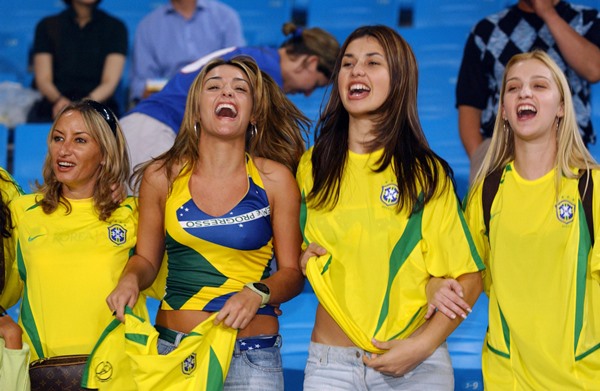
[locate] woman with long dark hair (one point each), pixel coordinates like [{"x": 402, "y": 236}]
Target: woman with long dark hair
[{"x": 380, "y": 217}]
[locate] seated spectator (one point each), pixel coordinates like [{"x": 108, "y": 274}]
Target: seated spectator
[
  {"x": 303, "y": 63},
  {"x": 78, "y": 53},
  {"x": 177, "y": 33}
]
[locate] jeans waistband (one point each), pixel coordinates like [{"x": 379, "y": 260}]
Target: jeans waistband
[
  {"x": 260, "y": 342},
  {"x": 169, "y": 335},
  {"x": 241, "y": 344}
]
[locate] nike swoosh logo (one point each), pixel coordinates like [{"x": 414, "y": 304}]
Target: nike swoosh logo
[{"x": 32, "y": 238}]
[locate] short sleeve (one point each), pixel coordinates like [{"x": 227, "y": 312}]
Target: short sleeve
[
  {"x": 448, "y": 246},
  {"x": 474, "y": 218}
]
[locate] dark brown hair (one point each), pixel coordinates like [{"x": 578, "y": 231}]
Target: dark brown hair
[{"x": 397, "y": 130}]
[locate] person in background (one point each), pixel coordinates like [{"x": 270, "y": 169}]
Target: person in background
[
  {"x": 542, "y": 262},
  {"x": 14, "y": 354},
  {"x": 224, "y": 203},
  {"x": 78, "y": 53},
  {"x": 176, "y": 34},
  {"x": 71, "y": 237},
  {"x": 566, "y": 31},
  {"x": 380, "y": 217},
  {"x": 303, "y": 63}
]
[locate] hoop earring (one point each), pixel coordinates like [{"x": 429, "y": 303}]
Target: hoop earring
[
  {"x": 196, "y": 129},
  {"x": 253, "y": 130}
]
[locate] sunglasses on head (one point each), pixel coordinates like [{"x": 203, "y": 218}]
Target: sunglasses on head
[{"x": 106, "y": 113}]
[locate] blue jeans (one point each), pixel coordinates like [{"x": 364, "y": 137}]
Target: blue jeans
[
  {"x": 258, "y": 369},
  {"x": 338, "y": 368}
]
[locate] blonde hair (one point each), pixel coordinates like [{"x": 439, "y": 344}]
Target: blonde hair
[
  {"x": 279, "y": 123},
  {"x": 571, "y": 151},
  {"x": 113, "y": 172}
]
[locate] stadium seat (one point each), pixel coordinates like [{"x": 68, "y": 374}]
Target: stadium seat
[
  {"x": 30, "y": 149},
  {"x": 262, "y": 20},
  {"x": 453, "y": 12},
  {"x": 311, "y": 106},
  {"x": 3, "y": 146},
  {"x": 341, "y": 17}
]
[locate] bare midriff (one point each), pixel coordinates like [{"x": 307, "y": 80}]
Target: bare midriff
[{"x": 184, "y": 321}]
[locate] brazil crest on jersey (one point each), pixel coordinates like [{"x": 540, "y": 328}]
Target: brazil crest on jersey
[
  {"x": 372, "y": 280},
  {"x": 126, "y": 358}
]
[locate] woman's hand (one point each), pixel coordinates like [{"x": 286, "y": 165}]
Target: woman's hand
[
  {"x": 313, "y": 250},
  {"x": 446, "y": 295},
  {"x": 125, "y": 294},
  {"x": 11, "y": 333},
  {"x": 401, "y": 357},
  {"x": 239, "y": 310},
  {"x": 119, "y": 192}
]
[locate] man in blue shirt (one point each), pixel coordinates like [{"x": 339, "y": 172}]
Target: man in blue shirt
[{"x": 177, "y": 33}]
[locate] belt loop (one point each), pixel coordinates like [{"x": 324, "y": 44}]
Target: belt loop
[
  {"x": 324, "y": 354},
  {"x": 178, "y": 338},
  {"x": 236, "y": 349}
]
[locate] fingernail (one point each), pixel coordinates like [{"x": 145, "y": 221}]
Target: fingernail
[
  {"x": 469, "y": 310},
  {"x": 463, "y": 316}
]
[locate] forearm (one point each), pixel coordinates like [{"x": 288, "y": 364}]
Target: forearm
[
  {"x": 140, "y": 271},
  {"x": 48, "y": 90},
  {"x": 111, "y": 75},
  {"x": 439, "y": 327},
  {"x": 571, "y": 45},
  {"x": 285, "y": 284},
  {"x": 103, "y": 92},
  {"x": 469, "y": 119}
]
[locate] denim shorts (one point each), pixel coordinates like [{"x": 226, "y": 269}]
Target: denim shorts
[
  {"x": 250, "y": 369},
  {"x": 340, "y": 368}
]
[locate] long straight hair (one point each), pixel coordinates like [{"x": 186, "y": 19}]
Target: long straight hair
[
  {"x": 571, "y": 151},
  {"x": 397, "y": 130}
]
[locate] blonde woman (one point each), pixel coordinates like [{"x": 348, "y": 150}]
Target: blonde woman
[{"x": 542, "y": 268}]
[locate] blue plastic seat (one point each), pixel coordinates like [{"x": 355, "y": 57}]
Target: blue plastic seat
[
  {"x": 262, "y": 20},
  {"x": 3, "y": 146},
  {"x": 352, "y": 13},
  {"x": 30, "y": 149},
  {"x": 453, "y": 12}
]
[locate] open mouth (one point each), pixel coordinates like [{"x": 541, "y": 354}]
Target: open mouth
[
  {"x": 359, "y": 89},
  {"x": 226, "y": 110},
  {"x": 526, "y": 111},
  {"x": 66, "y": 164}
]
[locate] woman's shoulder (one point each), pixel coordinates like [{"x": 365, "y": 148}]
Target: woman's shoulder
[
  {"x": 269, "y": 167},
  {"x": 273, "y": 173},
  {"x": 25, "y": 202}
]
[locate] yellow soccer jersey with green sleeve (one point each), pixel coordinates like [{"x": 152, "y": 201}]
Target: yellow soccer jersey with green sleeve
[
  {"x": 9, "y": 190},
  {"x": 372, "y": 280},
  {"x": 126, "y": 358},
  {"x": 69, "y": 264},
  {"x": 544, "y": 323}
]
